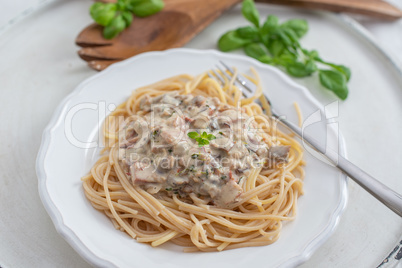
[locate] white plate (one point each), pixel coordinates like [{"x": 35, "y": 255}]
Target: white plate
[{"x": 61, "y": 164}]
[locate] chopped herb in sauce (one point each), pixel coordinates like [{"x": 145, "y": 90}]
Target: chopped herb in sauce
[
  {"x": 192, "y": 168},
  {"x": 156, "y": 132}
]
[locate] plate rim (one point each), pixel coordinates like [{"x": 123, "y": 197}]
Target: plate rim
[{"x": 97, "y": 260}]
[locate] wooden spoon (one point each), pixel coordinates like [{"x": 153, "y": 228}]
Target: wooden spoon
[
  {"x": 174, "y": 26},
  {"x": 181, "y": 20}
]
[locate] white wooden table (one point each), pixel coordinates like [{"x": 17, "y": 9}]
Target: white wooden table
[{"x": 366, "y": 233}]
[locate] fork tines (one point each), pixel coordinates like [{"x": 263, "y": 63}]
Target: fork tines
[{"x": 228, "y": 72}]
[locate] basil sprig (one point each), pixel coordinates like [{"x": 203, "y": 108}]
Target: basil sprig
[
  {"x": 278, "y": 44},
  {"x": 202, "y": 139},
  {"x": 115, "y": 17}
]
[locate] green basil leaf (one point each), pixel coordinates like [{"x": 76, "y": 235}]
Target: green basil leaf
[
  {"x": 255, "y": 50},
  {"x": 265, "y": 59},
  {"x": 122, "y": 5},
  {"x": 270, "y": 24},
  {"x": 275, "y": 47},
  {"x": 116, "y": 26},
  {"x": 144, "y": 8},
  {"x": 299, "y": 69},
  {"x": 284, "y": 38},
  {"x": 211, "y": 137},
  {"x": 103, "y": 13},
  {"x": 130, "y": 5},
  {"x": 202, "y": 142},
  {"x": 285, "y": 59},
  {"x": 204, "y": 135},
  {"x": 340, "y": 68},
  {"x": 312, "y": 54},
  {"x": 300, "y": 27},
  {"x": 192, "y": 135},
  {"x": 311, "y": 66},
  {"x": 248, "y": 32},
  {"x": 334, "y": 81},
  {"x": 343, "y": 69},
  {"x": 128, "y": 17},
  {"x": 292, "y": 36},
  {"x": 250, "y": 12},
  {"x": 231, "y": 40}
]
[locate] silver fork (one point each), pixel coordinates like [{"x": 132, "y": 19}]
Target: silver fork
[{"x": 384, "y": 194}]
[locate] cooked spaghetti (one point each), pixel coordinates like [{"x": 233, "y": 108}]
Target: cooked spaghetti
[{"x": 162, "y": 175}]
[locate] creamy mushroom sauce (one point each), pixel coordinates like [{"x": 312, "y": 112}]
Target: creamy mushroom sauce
[{"x": 157, "y": 154}]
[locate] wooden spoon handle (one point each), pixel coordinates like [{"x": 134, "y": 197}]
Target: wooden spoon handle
[
  {"x": 373, "y": 8},
  {"x": 194, "y": 7}
]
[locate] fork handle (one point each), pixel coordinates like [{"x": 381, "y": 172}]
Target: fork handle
[{"x": 384, "y": 194}]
